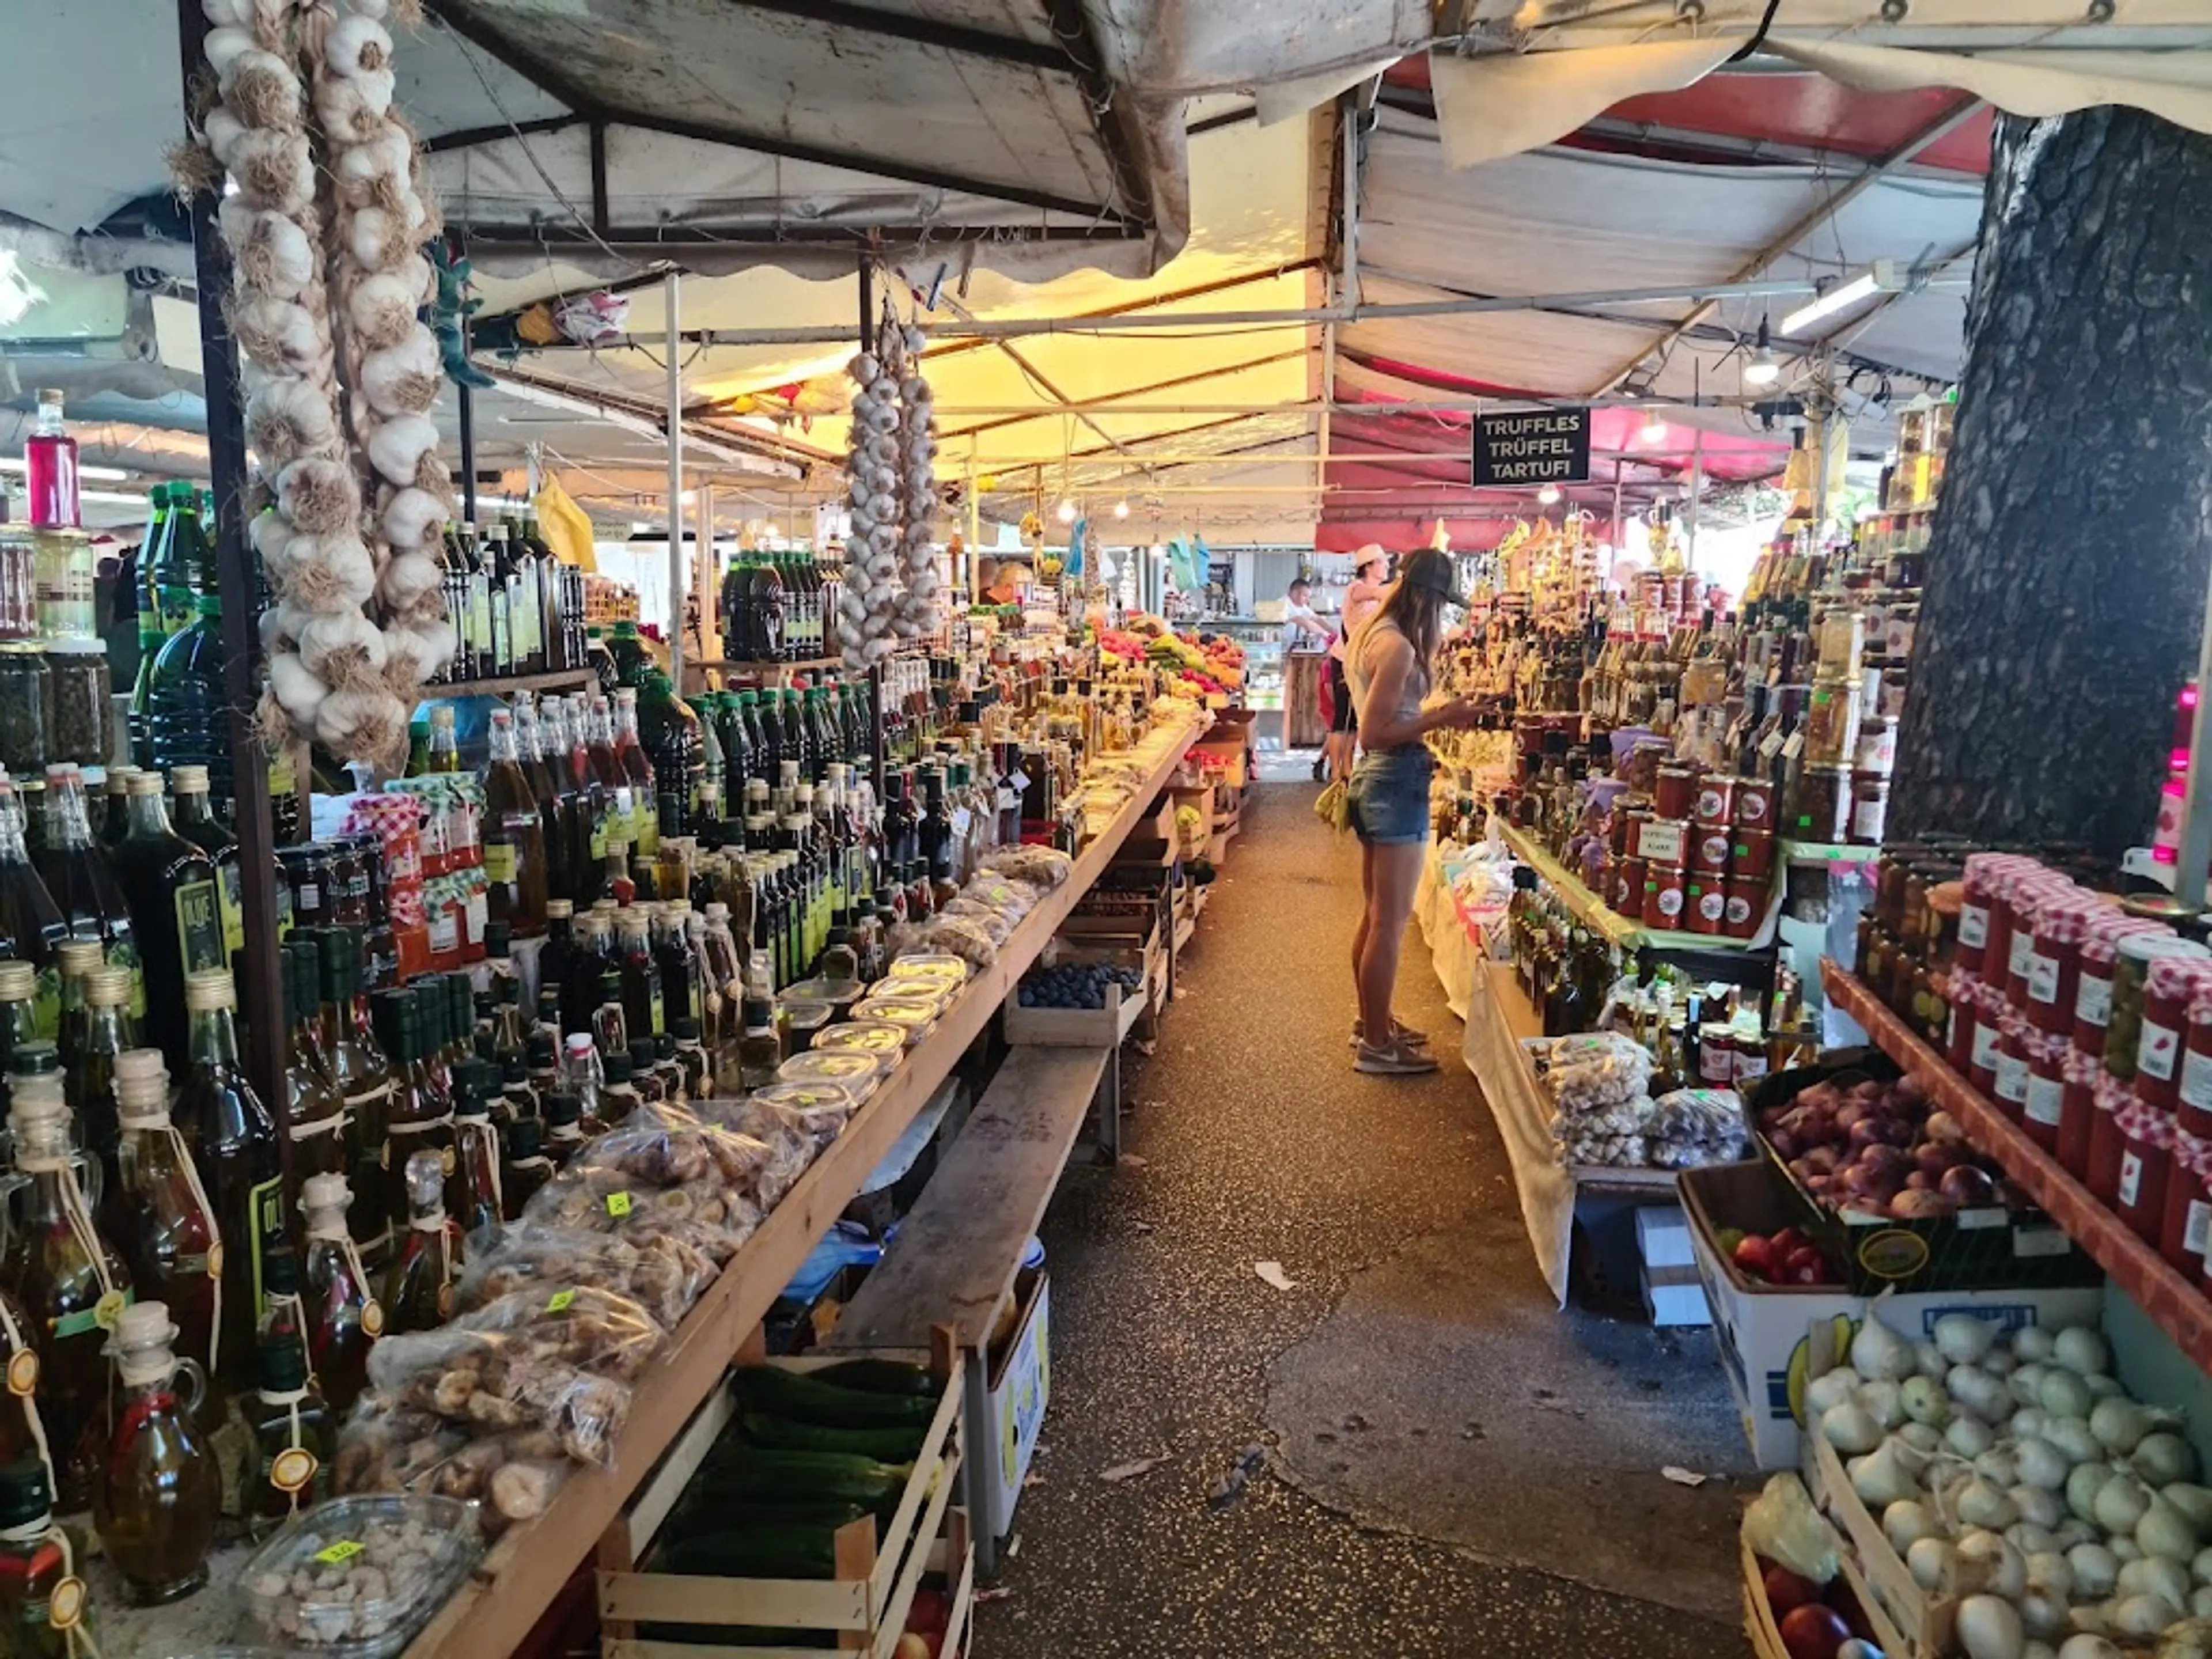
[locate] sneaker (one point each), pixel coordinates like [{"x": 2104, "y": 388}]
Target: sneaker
[
  {"x": 1393, "y": 1059},
  {"x": 1406, "y": 1034}
]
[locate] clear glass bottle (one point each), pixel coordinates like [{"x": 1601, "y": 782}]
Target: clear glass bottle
[
  {"x": 78, "y": 959},
  {"x": 49, "y": 468},
  {"x": 644, "y": 1007},
  {"x": 419, "y": 1115},
  {"x": 638, "y": 773},
  {"x": 90, "y": 1083},
  {"x": 418, "y": 1293},
  {"x": 294, "y": 1439},
  {"x": 78, "y": 880},
  {"x": 610, "y": 1024},
  {"x": 363, "y": 1073},
  {"x": 344, "y": 1318},
  {"x": 760, "y": 1049},
  {"x": 193, "y": 817},
  {"x": 475, "y": 1198},
  {"x": 32, "y": 929},
  {"x": 513, "y": 838},
  {"x": 234, "y": 1141},
  {"x": 160, "y": 1493},
  {"x": 158, "y": 1215},
  {"x": 582, "y": 1077},
  {"x": 69, "y": 1281},
  {"x": 42, "y": 1601},
  {"x": 176, "y": 912}
]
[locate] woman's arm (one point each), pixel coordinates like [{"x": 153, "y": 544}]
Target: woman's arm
[{"x": 1379, "y": 724}]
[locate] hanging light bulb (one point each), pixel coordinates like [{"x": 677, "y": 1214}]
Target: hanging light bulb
[
  {"x": 1066, "y": 510},
  {"x": 1765, "y": 368},
  {"x": 1120, "y": 509},
  {"x": 1549, "y": 494},
  {"x": 1655, "y": 429}
]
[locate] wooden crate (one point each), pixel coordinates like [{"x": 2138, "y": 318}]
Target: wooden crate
[
  {"x": 1075, "y": 1027},
  {"x": 866, "y": 1603}
]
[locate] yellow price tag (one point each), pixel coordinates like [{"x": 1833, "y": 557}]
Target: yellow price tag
[
  {"x": 344, "y": 1549},
  {"x": 617, "y": 1203},
  {"x": 559, "y": 1301}
]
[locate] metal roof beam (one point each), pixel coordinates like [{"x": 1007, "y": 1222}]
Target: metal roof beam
[
  {"x": 1089, "y": 405},
  {"x": 920, "y": 31}
]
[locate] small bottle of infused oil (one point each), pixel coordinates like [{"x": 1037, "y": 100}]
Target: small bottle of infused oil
[
  {"x": 160, "y": 1492},
  {"x": 295, "y": 1437},
  {"x": 419, "y": 1295},
  {"x": 343, "y": 1317},
  {"x": 42, "y": 1601}
]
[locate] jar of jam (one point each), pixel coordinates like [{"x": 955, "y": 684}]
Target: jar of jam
[
  {"x": 1716, "y": 1055},
  {"x": 1755, "y": 804},
  {"x": 2028, "y": 896},
  {"x": 2078, "y": 1113},
  {"x": 2181, "y": 1231},
  {"x": 2009, "y": 1084},
  {"x": 1624, "y": 828},
  {"x": 1753, "y": 855},
  {"x": 1958, "y": 1034},
  {"x": 1715, "y": 799},
  {"x": 2170, "y": 987},
  {"x": 1627, "y": 898},
  {"x": 1708, "y": 903},
  {"x": 1996, "y": 951},
  {"x": 2054, "y": 965},
  {"x": 1982, "y": 1059},
  {"x": 1709, "y": 846},
  {"x": 2093, "y": 993},
  {"x": 2106, "y": 1144},
  {"x": 2148, "y": 1137},
  {"x": 1675, "y": 792},
  {"x": 1666, "y": 890},
  {"x": 2043, "y": 1109},
  {"x": 1980, "y": 880},
  {"x": 1747, "y": 907},
  {"x": 1870, "y": 807},
  {"x": 2193, "y": 1109},
  {"x": 2131, "y": 982}
]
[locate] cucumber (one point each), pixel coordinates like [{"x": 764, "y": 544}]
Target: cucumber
[
  {"x": 759, "y": 1474},
  {"x": 880, "y": 1376},
  {"x": 794, "y": 1395},
  {"x": 700, "y": 1512},
  {"x": 768, "y": 1552},
  {"x": 783, "y": 1434}
]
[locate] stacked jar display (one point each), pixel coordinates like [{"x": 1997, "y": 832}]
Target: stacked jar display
[{"x": 1698, "y": 857}]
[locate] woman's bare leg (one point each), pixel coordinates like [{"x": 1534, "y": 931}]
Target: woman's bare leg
[{"x": 1395, "y": 872}]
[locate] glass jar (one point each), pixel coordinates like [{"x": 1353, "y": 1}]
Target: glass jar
[
  {"x": 1981, "y": 1057},
  {"x": 2181, "y": 1228},
  {"x": 2170, "y": 984},
  {"x": 1665, "y": 890},
  {"x": 1959, "y": 1034},
  {"x": 2131, "y": 971},
  {"x": 18, "y": 595},
  {"x": 2107, "y": 1143},
  {"x": 2078, "y": 1113},
  {"x": 2009, "y": 1083},
  {"x": 2093, "y": 994},
  {"x": 1980, "y": 882},
  {"x": 1996, "y": 951},
  {"x": 2147, "y": 1138},
  {"x": 1819, "y": 804},
  {"x": 83, "y": 714},
  {"x": 2023, "y": 907},
  {"x": 2054, "y": 966},
  {"x": 27, "y": 717},
  {"x": 1755, "y": 804}
]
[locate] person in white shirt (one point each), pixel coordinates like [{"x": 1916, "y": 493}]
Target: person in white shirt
[
  {"x": 1302, "y": 628},
  {"x": 1362, "y": 600}
]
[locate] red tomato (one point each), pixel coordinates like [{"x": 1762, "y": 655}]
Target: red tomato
[
  {"x": 1813, "y": 1632},
  {"x": 931, "y": 1611},
  {"x": 1755, "y": 1256},
  {"x": 1805, "y": 1266},
  {"x": 1789, "y": 1239},
  {"x": 1786, "y": 1592}
]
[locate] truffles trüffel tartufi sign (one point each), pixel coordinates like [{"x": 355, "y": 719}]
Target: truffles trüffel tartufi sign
[{"x": 1522, "y": 448}]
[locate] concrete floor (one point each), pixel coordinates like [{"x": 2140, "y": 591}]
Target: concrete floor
[{"x": 1440, "y": 1462}]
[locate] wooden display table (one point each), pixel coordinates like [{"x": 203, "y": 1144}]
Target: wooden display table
[{"x": 1303, "y": 726}]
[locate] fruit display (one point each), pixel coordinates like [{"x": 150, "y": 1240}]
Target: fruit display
[
  {"x": 1788, "y": 1256},
  {"x": 1208, "y": 663},
  {"x": 1799, "y": 1578},
  {"x": 1872, "y": 1148},
  {"x": 1076, "y": 985},
  {"x": 2014, "y": 1472}
]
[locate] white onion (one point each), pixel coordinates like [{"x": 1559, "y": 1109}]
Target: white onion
[
  {"x": 2084, "y": 1483},
  {"x": 2144, "y": 1615},
  {"x": 2096, "y": 1569},
  {"x": 2072, "y": 1439},
  {"x": 1924, "y": 1400},
  {"x": 2041, "y": 1464},
  {"x": 1999, "y": 1362},
  {"x": 2119, "y": 1424},
  {"x": 1988, "y": 1562},
  {"x": 2163, "y": 1458},
  {"x": 2073, "y": 1530},
  {"x": 1968, "y": 1436},
  {"x": 2086, "y": 1646},
  {"x": 1922, "y": 1438},
  {"x": 2065, "y": 1394},
  {"x": 2126, "y": 1549},
  {"x": 1928, "y": 1360},
  {"x": 1878, "y": 1353},
  {"x": 2081, "y": 1349},
  {"x": 2049, "y": 1570},
  {"x": 2200, "y": 1602},
  {"x": 2026, "y": 1383},
  {"x": 1997, "y": 1466},
  {"x": 2028, "y": 1420},
  {"x": 2120, "y": 1503},
  {"x": 1989, "y": 1628},
  {"x": 1885, "y": 1401},
  {"x": 2193, "y": 1501},
  {"x": 1830, "y": 1389},
  {"x": 1963, "y": 1339},
  {"x": 2034, "y": 1342},
  {"x": 1850, "y": 1428},
  {"x": 2031, "y": 1539},
  {"x": 2041, "y": 1614},
  {"x": 2038, "y": 1505},
  {"x": 2156, "y": 1575},
  {"x": 2201, "y": 1567},
  {"x": 1980, "y": 1393},
  {"x": 1928, "y": 1560},
  {"x": 1982, "y": 1503},
  {"x": 1877, "y": 1478},
  {"x": 2102, "y": 1385},
  {"x": 2164, "y": 1531},
  {"x": 1905, "y": 1522}
]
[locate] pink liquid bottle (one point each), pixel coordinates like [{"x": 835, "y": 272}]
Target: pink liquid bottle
[{"x": 50, "y": 467}]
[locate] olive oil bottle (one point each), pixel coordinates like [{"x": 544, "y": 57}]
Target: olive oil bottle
[{"x": 161, "y": 1491}]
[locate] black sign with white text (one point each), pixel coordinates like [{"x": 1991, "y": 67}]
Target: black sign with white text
[{"x": 1524, "y": 448}]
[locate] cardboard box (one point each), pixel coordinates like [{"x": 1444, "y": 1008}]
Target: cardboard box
[
  {"x": 1663, "y": 1236},
  {"x": 1020, "y": 1376},
  {"x": 1762, "y": 1329},
  {"x": 1674, "y": 1296}
]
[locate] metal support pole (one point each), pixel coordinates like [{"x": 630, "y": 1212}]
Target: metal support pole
[
  {"x": 1697, "y": 495},
  {"x": 876, "y": 673},
  {"x": 671, "y": 287},
  {"x": 703, "y": 578},
  {"x": 258, "y": 969},
  {"x": 974, "y": 580},
  {"x": 468, "y": 453}
]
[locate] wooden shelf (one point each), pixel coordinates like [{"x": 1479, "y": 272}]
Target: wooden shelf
[
  {"x": 1617, "y": 929},
  {"x": 506, "y": 685},
  {"x": 523, "y": 1573},
  {"x": 1815, "y": 852},
  {"x": 2173, "y": 1301}
]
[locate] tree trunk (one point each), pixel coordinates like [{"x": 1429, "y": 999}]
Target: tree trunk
[{"x": 2067, "y": 569}]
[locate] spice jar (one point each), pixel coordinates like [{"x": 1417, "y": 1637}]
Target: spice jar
[
  {"x": 2181, "y": 1230},
  {"x": 2130, "y": 972},
  {"x": 26, "y": 696},
  {"x": 1747, "y": 907},
  {"x": 2077, "y": 1113},
  {"x": 84, "y": 731},
  {"x": 1819, "y": 809},
  {"x": 1674, "y": 792},
  {"x": 2009, "y": 1084},
  {"x": 1708, "y": 904},
  {"x": 2054, "y": 965},
  {"x": 1665, "y": 891},
  {"x": 2148, "y": 1137},
  {"x": 2043, "y": 1108},
  {"x": 1710, "y": 847},
  {"x": 1715, "y": 799},
  {"x": 2107, "y": 1145},
  {"x": 1755, "y": 804}
]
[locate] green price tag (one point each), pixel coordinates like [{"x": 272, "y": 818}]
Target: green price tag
[
  {"x": 344, "y": 1549},
  {"x": 559, "y": 1301},
  {"x": 617, "y": 1203}
]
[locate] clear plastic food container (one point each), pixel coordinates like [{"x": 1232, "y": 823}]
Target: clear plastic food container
[
  {"x": 929, "y": 964},
  {"x": 847, "y": 1069},
  {"x": 358, "y": 1578},
  {"x": 837, "y": 993},
  {"x": 916, "y": 1014},
  {"x": 879, "y": 1038},
  {"x": 806, "y": 1021},
  {"x": 809, "y": 1096}
]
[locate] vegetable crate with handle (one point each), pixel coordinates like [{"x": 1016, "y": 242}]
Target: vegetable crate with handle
[{"x": 880, "y": 1564}]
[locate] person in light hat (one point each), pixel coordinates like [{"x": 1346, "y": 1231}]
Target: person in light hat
[{"x": 1361, "y": 600}]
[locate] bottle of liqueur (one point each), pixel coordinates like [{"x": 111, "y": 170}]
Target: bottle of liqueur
[
  {"x": 235, "y": 1146},
  {"x": 158, "y": 1215},
  {"x": 526, "y": 1168},
  {"x": 344, "y": 1318},
  {"x": 90, "y": 1083},
  {"x": 363, "y": 1073},
  {"x": 161, "y": 1491},
  {"x": 196, "y": 823},
  {"x": 70, "y": 1283},
  {"x": 418, "y": 1295},
  {"x": 419, "y": 1115},
  {"x": 315, "y": 1118},
  {"x": 42, "y": 1599},
  {"x": 176, "y": 911},
  {"x": 31, "y": 925},
  {"x": 294, "y": 1438},
  {"x": 78, "y": 880},
  {"x": 478, "y": 1202}
]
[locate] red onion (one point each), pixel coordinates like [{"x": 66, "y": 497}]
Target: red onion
[
  {"x": 1821, "y": 1160},
  {"x": 1914, "y": 1204},
  {"x": 1968, "y": 1188},
  {"x": 1786, "y": 1145},
  {"x": 1941, "y": 1126},
  {"x": 1920, "y": 1181},
  {"x": 1878, "y": 1129},
  {"x": 1935, "y": 1157},
  {"x": 1849, "y": 1114},
  {"x": 1909, "y": 1090},
  {"x": 1869, "y": 1091},
  {"x": 1893, "y": 1161}
]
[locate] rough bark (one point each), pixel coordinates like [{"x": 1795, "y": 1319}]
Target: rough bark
[{"x": 2068, "y": 565}]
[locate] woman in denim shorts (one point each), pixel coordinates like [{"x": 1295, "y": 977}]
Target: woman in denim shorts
[{"x": 1388, "y": 664}]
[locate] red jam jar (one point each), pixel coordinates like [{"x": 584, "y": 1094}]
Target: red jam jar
[
  {"x": 1996, "y": 953},
  {"x": 2043, "y": 1109},
  {"x": 2029, "y": 897},
  {"x": 2093, "y": 993},
  {"x": 1981, "y": 1056},
  {"x": 1977, "y": 883},
  {"x": 2194, "y": 1108},
  {"x": 2054, "y": 965},
  {"x": 1627, "y": 899},
  {"x": 2181, "y": 1230},
  {"x": 1755, "y": 804},
  {"x": 1965, "y": 991},
  {"x": 2009, "y": 1085},
  {"x": 2077, "y": 1113},
  {"x": 1754, "y": 855},
  {"x": 2146, "y": 1163},
  {"x": 1708, "y": 849},
  {"x": 1747, "y": 907},
  {"x": 2169, "y": 987},
  {"x": 1676, "y": 791},
  {"x": 1715, "y": 799},
  {"x": 2107, "y": 1145},
  {"x": 1708, "y": 903},
  {"x": 1666, "y": 890}
]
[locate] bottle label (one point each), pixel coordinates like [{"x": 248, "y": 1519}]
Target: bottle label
[
  {"x": 23, "y": 1373},
  {"x": 2023, "y": 947},
  {"x": 1986, "y": 1047},
  {"x": 2012, "y": 1078},
  {"x": 292, "y": 1470},
  {"x": 2043, "y": 1095},
  {"x": 500, "y": 862},
  {"x": 2130, "y": 1179},
  {"x": 200, "y": 932},
  {"x": 2193, "y": 1227},
  {"x": 2093, "y": 1003},
  {"x": 230, "y": 896},
  {"x": 2161, "y": 1047},
  {"x": 265, "y": 1215},
  {"x": 2197, "y": 1080},
  {"x": 1974, "y": 925},
  {"x": 344, "y": 1549},
  {"x": 660, "y": 1011},
  {"x": 2042, "y": 976}
]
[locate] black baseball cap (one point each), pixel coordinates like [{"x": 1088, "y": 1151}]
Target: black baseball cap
[{"x": 1424, "y": 567}]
